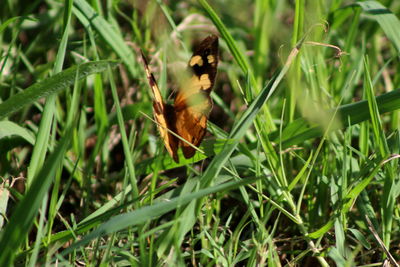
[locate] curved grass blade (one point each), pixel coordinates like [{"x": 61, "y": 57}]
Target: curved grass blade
[
  {"x": 389, "y": 23},
  {"x": 8, "y": 129},
  {"x": 145, "y": 214}
]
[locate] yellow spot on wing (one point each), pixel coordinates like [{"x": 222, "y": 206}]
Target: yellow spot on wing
[
  {"x": 204, "y": 82},
  {"x": 196, "y": 60},
  {"x": 211, "y": 59}
]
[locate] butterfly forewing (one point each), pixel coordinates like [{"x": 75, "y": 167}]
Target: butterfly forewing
[
  {"x": 163, "y": 114},
  {"x": 193, "y": 103}
]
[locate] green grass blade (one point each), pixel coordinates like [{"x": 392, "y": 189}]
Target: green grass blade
[
  {"x": 145, "y": 214},
  {"x": 25, "y": 212},
  {"x": 389, "y": 23},
  {"x": 125, "y": 143},
  {"x": 89, "y": 16},
  {"x": 5, "y": 24},
  {"x": 50, "y": 86},
  {"x": 297, "y": 132},
  {"x": 373, "y": 108},
  {"x": 8, "y": 129}
]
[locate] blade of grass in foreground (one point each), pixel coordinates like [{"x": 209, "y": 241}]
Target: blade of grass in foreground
[
  {"x": 145, "y": 214},
  {"x": 25, "y": 212},
  {"x": 8, "y": 128},
  {"x": 51, "y": 85},
  {"x": 42, "y": 144}
]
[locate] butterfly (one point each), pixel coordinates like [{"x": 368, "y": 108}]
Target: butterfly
[{"x": 188, "y": 116}]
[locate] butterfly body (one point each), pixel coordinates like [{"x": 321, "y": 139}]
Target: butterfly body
[{"x": 188, "y": 116}]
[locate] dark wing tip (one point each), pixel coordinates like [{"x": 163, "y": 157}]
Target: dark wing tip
[{"x": 143, "y": 58}]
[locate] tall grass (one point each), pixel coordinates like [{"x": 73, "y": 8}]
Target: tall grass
[{"x": 300, "y": 163}]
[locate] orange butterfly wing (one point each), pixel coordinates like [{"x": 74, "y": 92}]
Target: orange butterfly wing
[
  {"x": 193, "y": 103},
  {"x": 163, "y": 114}
]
